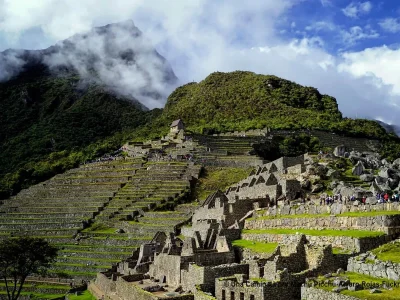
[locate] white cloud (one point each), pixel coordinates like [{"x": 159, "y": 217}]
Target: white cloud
[
  {"x": 203, "y": 36},
  {"x": 326, "y": 3},
  {"x": 390, "y": 24},
  {"x": 321, "y": 26},
  {"x": 356, "y": 33},
  {"x": 355, "y": 9},
  {"x": 380, "y": 62}
]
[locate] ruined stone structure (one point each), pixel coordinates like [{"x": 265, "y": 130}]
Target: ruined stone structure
[{"x": 201, "y": 261}]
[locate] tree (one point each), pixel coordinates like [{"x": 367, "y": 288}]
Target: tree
[{"x": 21, "y": 257}]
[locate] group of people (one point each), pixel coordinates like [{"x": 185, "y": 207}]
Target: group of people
[
  {"x": 381, "y": 197},
  {"x": 385, "y": 197},
  {"x": 332, "y": 199}
]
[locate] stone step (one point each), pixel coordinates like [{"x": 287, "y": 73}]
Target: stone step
[
  {"x": 164, "y": 221},
  {"x": 45, "y": 232},
  {"x": 41, "y": 288},
  {"x": 82, "y": 215},
  {"x": 95, "y": 249},
  {"x": 32, "y": 221},
  {"x": 67, "y": 210},
  {"x": 90, "y": 180},
  {"x": 166, "y": 214},
  {"x": 80, "y": 267},
  {"x": 76, "y": 259},
  {"x": 104, "y": 241},
  {"x": 94, "y": 255},
  {"x": 34, "y": 226},
  {"x": 43, "y": 205}
]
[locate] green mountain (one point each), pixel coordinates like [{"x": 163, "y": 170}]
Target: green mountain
[
  {"x": 245, "y": 100},
  {"x": 49, "y": 125},
  {"x": 57, "y": 102}
]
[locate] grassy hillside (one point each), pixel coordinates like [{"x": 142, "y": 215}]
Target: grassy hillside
[
  {"x": 48, "y": 124},
  {"x": 45, "y": 115},
  {"x": 245, "y": 100},
  {"x": 46, "y": 119}
]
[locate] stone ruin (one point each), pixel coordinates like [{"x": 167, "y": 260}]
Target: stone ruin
[{"x": 199, "y": 261}]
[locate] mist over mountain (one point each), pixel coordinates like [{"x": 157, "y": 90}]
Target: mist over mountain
[
  {"x": 390, "y": 128},
  {"x": 116, "y": 56},
  {"x": 80, "y": 91}
]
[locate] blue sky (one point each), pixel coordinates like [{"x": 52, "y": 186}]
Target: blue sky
[
  {"x": 345, "y": 25},
  {"x": 347, "y": 49}
]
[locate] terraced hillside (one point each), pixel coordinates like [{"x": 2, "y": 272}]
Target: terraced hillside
[
  {"x": 89, "y": 213},
  {"x": 226, "y": 151},
  {"x": 331, "y": 140}
]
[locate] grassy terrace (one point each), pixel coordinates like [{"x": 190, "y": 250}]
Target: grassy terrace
[
  {"x": 369, "y": 283},
  {"x": 388, "y": 252},
  {"x": 37, "y": 295},
  {"x": 256, "y": 246},
  {"x": 346, "y": 214},
  {"x": 43, "y": 286},
  {"x": 314, "y": 232},
  {"x": 86, "y": 295}
]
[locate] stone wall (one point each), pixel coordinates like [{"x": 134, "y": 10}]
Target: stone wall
[
  {"x": 368, "y": 264},
  {"x": 384, "y": 223},
  {"x": 105, "y": 284},
  {"x": 357, "y": 245},
  {"x": 128, "y": 290},
  {"x": 197, "y": 275},
  {"x": 168, "y": 266},
  {"x": 310, "y": 293},
  {"x": 200, "y": 295},
  {"x": 232, "y": 289},
  {"x": 334, "y": 209}
]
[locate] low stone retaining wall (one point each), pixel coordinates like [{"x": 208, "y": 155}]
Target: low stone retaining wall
[
  {"x": 368, "y": 264},
  {"x": 200, "y": 295},
  {"x": 334, "y": 209},
  {"x": 377, "y": 223},
  {"x": 127, "y": 290},
  {"x": 347, "y": 243},
  {"x": 310, "y": 293}
]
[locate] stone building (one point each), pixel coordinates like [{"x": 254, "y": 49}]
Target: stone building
[
  {"x": 177, "y": 126},
  {"x": 199, "y": 262}
]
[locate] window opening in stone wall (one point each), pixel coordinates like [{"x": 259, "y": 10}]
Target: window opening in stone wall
[
  {"x": 261, "y": 271},
  {"x": 232, "y": 295},
  {"x": 252, "y": 297},
  {"x": 241, "y": 296},
  {"x": 223, "y": 295}
]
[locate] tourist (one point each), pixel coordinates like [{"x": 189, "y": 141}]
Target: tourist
[
  {"x": 364, "y": 199},
  {"x": 396, "y": 196},
  {"x": 386, "y": 197}
]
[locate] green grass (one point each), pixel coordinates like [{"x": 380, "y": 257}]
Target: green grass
[
  {"x": 44, "y": 286},
  {"x": 218, "y": 178},
  {"x": 99, "y": 228},
  {"x": 388, "y": 252},
  {"x": 365, "y": 294},
  {"x": 86, "y": 295},
  {"x": 336, "y": 250},
  {"x": 37, "y": 295},
  {"x": 314, "y": 232},
  {"x": 256, "y": 246}
]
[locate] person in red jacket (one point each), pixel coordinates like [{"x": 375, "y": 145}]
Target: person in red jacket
[{"x": 386, "y": 197}]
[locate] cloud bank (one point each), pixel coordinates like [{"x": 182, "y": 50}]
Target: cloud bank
[{"x": 202, "y": 36}]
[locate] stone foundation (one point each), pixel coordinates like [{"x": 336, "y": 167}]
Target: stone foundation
[{"x": 310, "y": 293}]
